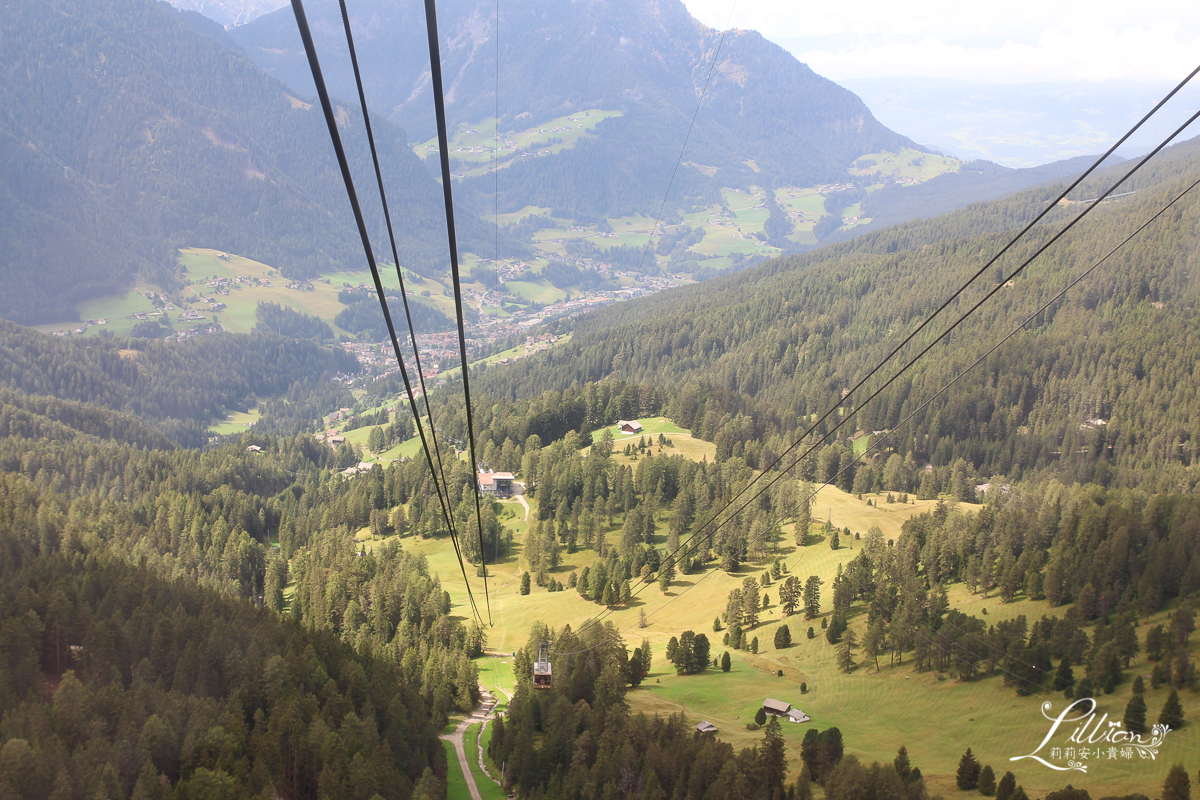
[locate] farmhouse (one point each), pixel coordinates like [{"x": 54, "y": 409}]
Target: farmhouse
[
  {"x": 498, "y": 483},
  {"x": 629, "y": 426},
  {"x": 778, "y": 708},
  {"x": 254, "y": 449},
  {"x": 706, "y": 727}
]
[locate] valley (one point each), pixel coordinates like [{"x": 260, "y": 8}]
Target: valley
[{"x": 766, "y": 402}]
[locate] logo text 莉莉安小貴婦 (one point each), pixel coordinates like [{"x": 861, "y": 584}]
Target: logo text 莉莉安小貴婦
[{"x": 1078, "y": 735}]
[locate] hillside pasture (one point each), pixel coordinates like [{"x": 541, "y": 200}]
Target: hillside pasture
[{"x": 235, "y": 422}]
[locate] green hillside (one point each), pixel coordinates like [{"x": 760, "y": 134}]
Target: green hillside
[{"x": 781, "y": 342}]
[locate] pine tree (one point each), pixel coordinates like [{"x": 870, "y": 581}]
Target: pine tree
[
  {"x": 812, "y": 597},
  {"x": 783, "y": 637},
  {"x": 845, "y": 652},
  {"x": 760, "y": 716},
  {"x": 810, "y": 752},
  {"x": 1135, "y": 715},
  {"x": 901, "y": 763},
  {"x": 875, "y": 641},
  {"x": 987, "y": 781},
  {"x": 772, "y": 758},
  {"x": 1064, "y": 677},
  {"x": 1006, "y": 787},
  {"x": 967, "y": 776},
  {"x": 524, "y": 583},
  {"x": 832, "y": 747},
  {"x": 803, "y": 519},
  {"x": 1177, "y": 786},
  {"x": 1172, "y": 713},
  {"x": 726, "y": 662},
  {"x": 789, "y": 595}
]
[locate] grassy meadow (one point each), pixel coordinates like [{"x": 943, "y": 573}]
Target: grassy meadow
[
  {"x": 487, "y": 787},
  {"x": 235, "y": 422},
  {"x": 474, "y": 146},
  {"x": 936, "y": 716}
]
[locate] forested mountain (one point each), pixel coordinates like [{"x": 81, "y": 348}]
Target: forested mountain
[
  {"x": 974, "y": 182},
  {"x": 1100, "y": 387},
  {"x": 767, "y": 117},
  {"x": 128, "y": 133},
  {"x": 146, "y": 646},
  {"x": 176, "y": 387}
]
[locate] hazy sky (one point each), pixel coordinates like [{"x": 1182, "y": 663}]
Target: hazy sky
[{"x": 1016, "y": 41}]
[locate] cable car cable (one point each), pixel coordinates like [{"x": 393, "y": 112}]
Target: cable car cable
[
  {"x": 1075, "y": 281},
  {"x": 347, "y": 178},
  {"x": 849, "y": 415},
  {"x": 1021, "y": 326},
  {"x": 695, "y": 537},
  {"x": 765, "y": 470},
  {"x": 362, "y": 99},
  {"x": 439, "y": 106}
]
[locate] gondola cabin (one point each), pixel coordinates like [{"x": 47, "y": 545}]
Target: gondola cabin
[{"x": 541, "y": 667}]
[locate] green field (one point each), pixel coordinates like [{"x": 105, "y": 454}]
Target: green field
[
  {"x": 934, "y": 716},
  {"x": 496, "y": 675},
  {"x": 204, "y": 265},
  {"x": 488, "y": 788},
  {"x": 235, "y": 422},
  {"x": 682, "y": 441},
  {"x": 475, "y": 146},
  {"x": 910, "y": 165},
  {"x": 539, "y": 291},
  {"x": 456, "y": 784},
  {"x": 515, "y": 216}
]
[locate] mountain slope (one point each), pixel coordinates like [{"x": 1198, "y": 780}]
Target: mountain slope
[
  {"x": 766, "y": 119},
  {"x": 127, "y": 133},
  {"x": 789, "y": 336}
]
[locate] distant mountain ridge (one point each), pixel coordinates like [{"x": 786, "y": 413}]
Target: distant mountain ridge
[
  {"x": 230, "y": 12},
  {"x": 766, "y": 118}
]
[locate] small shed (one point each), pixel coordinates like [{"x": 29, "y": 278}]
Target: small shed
[
  {"x": 706, "y": 727},
  {"x": 796, "y": 715},
  {"x": 629, "y": 426},
  {"x": 254, "y": 448}
]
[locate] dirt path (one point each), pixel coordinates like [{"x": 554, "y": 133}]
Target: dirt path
[{"x": 481, "y": 714}]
